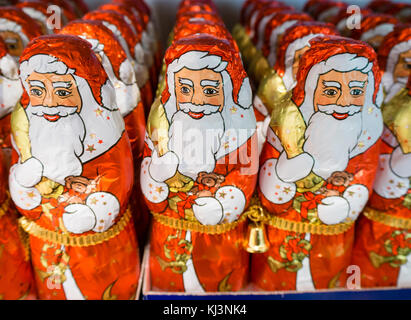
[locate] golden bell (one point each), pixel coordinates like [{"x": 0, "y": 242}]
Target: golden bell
[{"x": 257, "y": 239}]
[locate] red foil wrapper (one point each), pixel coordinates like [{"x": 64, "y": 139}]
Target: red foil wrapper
[
  {"x": 311, "y": 195},
  {"x": 212, "y": 194},
  {"x": 261, "y": 18},
  {"x": 72, "y": 174},
  {"x": 274, "y": 30},
  {"x": 114, "y": 59},
  {"x": 129, "y": 42},
  {"x": 327, "y": 10},
  {"x": 383, "y": 237},
  {"x": 374, "y": 27}
]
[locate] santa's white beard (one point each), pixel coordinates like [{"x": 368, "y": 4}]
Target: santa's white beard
[
  {"x": 10, "y": 93},
  {"x": 195, "y": 141},
  {"x": 329, "y": 141},
  {"x": 57, "y": 145}
]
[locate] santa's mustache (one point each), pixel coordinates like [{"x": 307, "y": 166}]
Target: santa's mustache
[
  {"x": 198, "y": 108},
  {"x": 62, "y": 111},
  {"x": 331, "y": 108}
]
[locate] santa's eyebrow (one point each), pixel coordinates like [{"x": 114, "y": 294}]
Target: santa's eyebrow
[
  {"x": 332, "y": 84},
  {"x": 62, "y": 84},
  {"x": 37, "y": 83},
  {"x": 355, "y": 83},
  {"x": 212, "y": 83},
  {"x": 185, "y": 81},
  {"x": 407, "y": 60}
]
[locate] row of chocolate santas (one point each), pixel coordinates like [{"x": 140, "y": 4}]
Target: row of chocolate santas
[
  {"x": 335, "y": 144},
  {"x": 77, "y": 132},
  {"x": 200, "y": 163}
]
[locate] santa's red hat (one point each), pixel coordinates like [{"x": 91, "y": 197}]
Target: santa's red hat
[
  {"x": 372, "y": 21},
  {"x": 276, "y": 21},
  {"x": 29, "y": 27},
  {"x": 400, "y": 34},
  {"x": 96, "y": 30},
  {"x": 195, "y": 5},
  {"x": 118, "y": 21},
  {"x": 327, "y": 10},
  {"x": 211, "y": 46},
  {"x": 138, "y": 6},
  {"x": 122, "y": 9},
  {"x": 75, "y": 53},
  {"x": 299, "y": 31},
  {"x": 199, "y": 15},
  {"x": 379, "y": 5},
  {"x": 323, "y": 48},
  {"x": 268, "y": 10}
]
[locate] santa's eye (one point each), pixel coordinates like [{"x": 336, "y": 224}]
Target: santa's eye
[
  {"x": 407, "y": 66},
  {"x": 36, "y": 92},
  {"x": 62, "y": 93},
  {"x": 210, "y": 91},
  {"x": 330, "y": 92},
  {"x": 185, "y": 90},
  {"x": 356, "y": 92}
]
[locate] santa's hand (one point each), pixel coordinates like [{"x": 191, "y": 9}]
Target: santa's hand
[
  {"x": 401, "y": 163},
  {"x": 294, "y": 169},
  {"x": 208, "y": 210},
  {"x": 333, "y": 210},
  {"x": 164, "y": 167},
  {"x": 180, "y": 183},
  {"x": 29, "y": 173},
  {"x": 78, "y": 218}
]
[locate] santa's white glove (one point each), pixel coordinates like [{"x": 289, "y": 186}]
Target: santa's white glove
[
  {"x": 208, "y": 210},
  {"x": 294, "y": 169},
  {"x": 164, "y": 167},
  {"x": 78, "y": 218},
  {"x": 29, "y": 173},
  {"x": 333, "y": 210},
  {"x": 401, "y": 163}
]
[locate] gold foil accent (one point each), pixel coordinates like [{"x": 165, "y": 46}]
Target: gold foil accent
[
  {"x": 271, "y": 89},
  {"x": 20, "y": 132},
  {"x": 289, "y": 126},
  {"x": 195, "y": 226},
  {"x": 258, "y": 68},
  {"x": 157, "y": 126},
  {"x": 397, "y": 116},
  {"x": 386, "y": 219},
  {"x": 44, "y": 234}
]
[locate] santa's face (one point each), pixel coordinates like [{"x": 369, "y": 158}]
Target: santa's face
[
  {"x": 49, "y": 91},
  {"x": 199, "y": 93},
  {"x": 13, "y": 42},
  {"x": 297, "y": 56},
  {"x": 79, "y": 187},
  {"x": 340, "y": 94},
  {"x": 403, "y": 66}
]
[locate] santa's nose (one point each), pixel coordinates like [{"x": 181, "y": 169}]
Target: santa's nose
[
  {"x": 49, "y": 101},
  {"x": 343, "y": 100},
  {"x": 197, "y": 99}
]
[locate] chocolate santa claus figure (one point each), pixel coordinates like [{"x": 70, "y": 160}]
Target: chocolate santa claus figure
[
  {"x": 121, "y": 73},
  {"x": 199, "y": 173},
  {"x": 318, "y": 166},
  {"x": 73, "y": 173},
  {"x": 383, "y": 235}
]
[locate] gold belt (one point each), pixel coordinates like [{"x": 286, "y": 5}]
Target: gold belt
[
  {"x": 305, "y": 227},
  {"x": 181, "y": 224},
  {"x": 34, "y": 229},
  {"x": 388, "y": 220}
]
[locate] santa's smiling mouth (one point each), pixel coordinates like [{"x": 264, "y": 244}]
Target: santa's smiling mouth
[
  {"x": 340, "y": 116},
  {"x": 51, "y": 117},
  {"x": 196, "y": 115}
]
